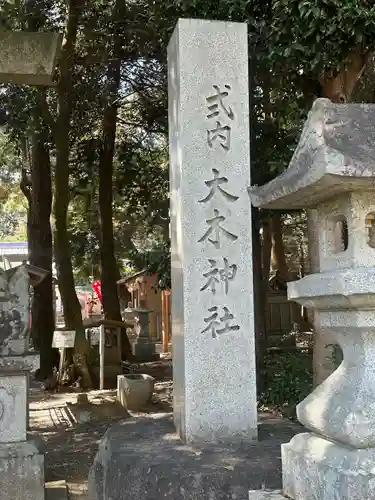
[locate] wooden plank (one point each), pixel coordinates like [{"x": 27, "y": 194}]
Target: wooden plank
[
  {"x": 165, "y": 321},
  {"x": 101, "y": 356}
]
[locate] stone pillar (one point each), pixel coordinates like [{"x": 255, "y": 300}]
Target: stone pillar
[
  {"x": 21, "y": 458},
  {"x": 212, "y": 280},
  {"x": 333, "y": 171}
]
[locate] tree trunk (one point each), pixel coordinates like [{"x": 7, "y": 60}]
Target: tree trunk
[
  {"x": 109, "y": 268},
  {"x": 71, "y": 306},
  {"x": 266, "y": 251},
  {"x": 40, "y": 252},
  {"x": 260, "y": 298},
  {"x": 278, "y": 249}
]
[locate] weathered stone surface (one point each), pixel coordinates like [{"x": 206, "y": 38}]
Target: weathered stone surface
[
  {"x": 317, "y": 469},
  {"x": 134, "y": 390},
  {"x": 333, "y": 170},
  {"x": 14, "y": 310},
  {"x": 28, "y": 58},
  {"x": 13, "y": 408},
  {"x": 337, "y": 140},
  {"x": 22, "y": 471},
  {"x": 23, "y": 363},
  {"x": 143, "y": 347},
  {"x": 144, "y": 459},
  {"x": 56, "y": 490},
  {"x": 342, "y": 408},
  {"x": 213, "y": 331},
  {"x": 265, "y": 495}
]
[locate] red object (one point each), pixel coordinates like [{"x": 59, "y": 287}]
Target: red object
[{"x": 97, "y": 287}]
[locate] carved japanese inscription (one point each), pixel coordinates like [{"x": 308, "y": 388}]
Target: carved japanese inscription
[
  {"x": 216, "y": 275},
  {"x": 221, "y": 132},
  {"x": 220, "y": 272},
  {"x": 218, "y": 325},
  {"x": 215, "y": 185},
  {"x": 215, "y": 230}
]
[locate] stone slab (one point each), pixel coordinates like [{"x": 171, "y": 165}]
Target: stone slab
[
  {"x": 13, "y": 408},
  {"x": 316, "y": 469},
  {"x": 22, "y": 471},
  {"x": 266, "y": 495},
  {"x": 143, "y": 459},
  {"x": 334, "y": 155},
  {"x": 213, "y": 331},
  {"x": 56, "y": 490},
  {"x": 22, "y": 363},
  {"x": 29, "y": 58},
  {"x": 340, "y": 289}
]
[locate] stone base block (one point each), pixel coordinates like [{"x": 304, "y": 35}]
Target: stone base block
[
  {"x": 144, "y": 459},
  {"x": 317, "y": 469},
  {"x": 266, "y": 495},
  {"x": 56, "y": 490},
  {"x": 22, "y": 470},
  {"x": 145, "y": 351}
]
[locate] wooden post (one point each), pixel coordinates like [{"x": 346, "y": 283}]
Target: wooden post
[
  {"x": 101, "y": 355},
  {"x": 61, "y": 366},
  {"x": 165, "y": 320}
]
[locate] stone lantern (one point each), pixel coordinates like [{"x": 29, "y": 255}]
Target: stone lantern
[{"x": 333, "y": 171}]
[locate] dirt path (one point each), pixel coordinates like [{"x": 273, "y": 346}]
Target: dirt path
[{"x": 72, "y": 431}]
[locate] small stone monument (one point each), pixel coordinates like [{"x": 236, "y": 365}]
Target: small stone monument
[
  {"x": 144, "y": 347},
  {"x": 21, "y": 458},
  {"x": 212, "y": 280},
  {"x": 333, "y": 170}
]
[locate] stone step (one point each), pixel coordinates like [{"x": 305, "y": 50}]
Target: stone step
[{"x": 56, "y": 490}]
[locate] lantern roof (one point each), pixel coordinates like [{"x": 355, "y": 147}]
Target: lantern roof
[{"x": 335, "y": 154}]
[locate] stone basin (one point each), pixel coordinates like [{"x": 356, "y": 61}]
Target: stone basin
[{"x": 135, "y": 390}]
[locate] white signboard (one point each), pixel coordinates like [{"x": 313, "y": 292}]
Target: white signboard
[{"x": 63, "y": 339}]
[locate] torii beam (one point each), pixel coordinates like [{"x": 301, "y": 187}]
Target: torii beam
[{"x": 28, "y": 58}]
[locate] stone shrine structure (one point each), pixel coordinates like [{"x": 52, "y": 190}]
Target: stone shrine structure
[
  {"x": 333, "y": 171},
  {"x": 25, "y": 58},
  {"x": 212, "y": 280},
  {"x": 21, "y": 458}
]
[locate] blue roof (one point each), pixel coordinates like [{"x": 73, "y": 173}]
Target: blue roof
[{"x": 13, "y": 244}]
